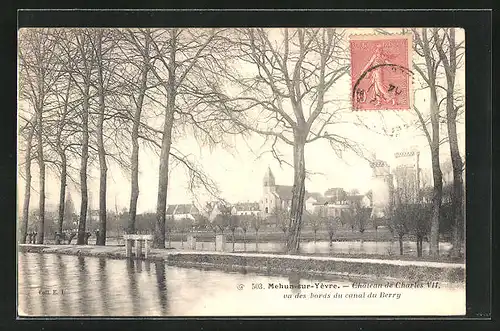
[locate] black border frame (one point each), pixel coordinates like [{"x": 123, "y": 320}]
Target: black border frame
[{"x": 477, "y": 24}]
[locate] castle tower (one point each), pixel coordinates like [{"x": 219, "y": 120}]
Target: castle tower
[
  {"x": 408, "y": 176},
  {"x": 382, "y": 189}
]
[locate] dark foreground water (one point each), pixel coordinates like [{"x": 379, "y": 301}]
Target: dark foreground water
[{"x": 64, "y": 285}]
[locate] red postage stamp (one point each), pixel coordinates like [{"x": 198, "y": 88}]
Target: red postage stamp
[{"x": 381, "y": 72}]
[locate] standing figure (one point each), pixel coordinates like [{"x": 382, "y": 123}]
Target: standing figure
[
  {"x": 376, "y": 75},
  {"x": 87, "y": 235}
]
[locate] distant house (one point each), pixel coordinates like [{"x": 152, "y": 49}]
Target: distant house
[
  {"x": 363, "y": 200},
  {"x": 336, "y": 194},
  {"x": 181, "y": 211},
  {"x": 246, "y": 208},
  {"x": 331, "y": 207},
  {"x": 218, "y": 208},
  {"x": 311, "y": 202}
]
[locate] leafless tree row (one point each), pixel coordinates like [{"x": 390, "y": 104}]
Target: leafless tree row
[
  {"x": 83, "y": 96},
  {"x": 91, "y": 97}
]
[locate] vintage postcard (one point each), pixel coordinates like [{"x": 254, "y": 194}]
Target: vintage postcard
[{"x": 241, "y": 172}]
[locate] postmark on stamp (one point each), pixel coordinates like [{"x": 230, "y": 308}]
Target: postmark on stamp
[{"x": 381, "y": 72}]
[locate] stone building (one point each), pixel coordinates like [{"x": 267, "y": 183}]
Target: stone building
[
  {"x": 246, "y": 208},
  {"x": 382, "y": 188},
  {"x": 280, "y": 196},
  {"x": 407, "y": 175},
  {"x": 181, "y": 211}
]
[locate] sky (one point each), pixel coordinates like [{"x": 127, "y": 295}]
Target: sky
[{"x": 239, "y": 170}]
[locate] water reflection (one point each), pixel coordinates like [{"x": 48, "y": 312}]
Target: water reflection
[
  {"x": 41, "y": 261},
  {"x": 294, "y": 281},
  {"x": 161, "y": 286},
  {"x": 95, "y": 287},
  {"x": 63, "y": 284},
  {"x": 103, "y": 285},
  {"x": 132, "y": 285},
  {"x": 83, "y": 284}
]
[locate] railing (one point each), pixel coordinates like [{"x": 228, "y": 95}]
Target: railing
[{"x": 138, "y": 239}]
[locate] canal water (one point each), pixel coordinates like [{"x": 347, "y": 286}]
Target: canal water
[
  {"x": 322, "y": 247},
  {"x": 319, "y": 247},
  {"x": 65, "y": 285}
]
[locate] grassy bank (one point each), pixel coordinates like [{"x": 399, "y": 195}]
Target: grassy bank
[
  {"x": 426, "y": 258},
  {"x": 351, "y": 267},
  {"x": 276, "y": 263}
]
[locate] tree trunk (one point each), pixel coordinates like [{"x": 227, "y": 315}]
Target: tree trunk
[
  {"x": 27, "y": 186},
  {"x": 103, "y": 169},
  {"x": 400, "y": 244},
  {"x": 64, "y": 164},
  {"x": 41, "y": 165},
  {"x": 433, "y": 140},
  {"x": 419, "y": 245},
  {"x": 101, "y": 239},
  {"x": 456, "y": 160},
  {"x": 134, "y": 159},
  {"x": 245, "y": 240},
  {"x": 233, "y": 241},
  {"x": 82, "y": 224},
  {"x": 457, "y": 193},
  {"x": 134, "y": 178},
  {"x": 298, "y": 195},
  {"x": 161, "y": 205},
  {"x": 315, "y": 235},
  {"x": 62, "y": 195},
  {"x": 436, "y": 202}
]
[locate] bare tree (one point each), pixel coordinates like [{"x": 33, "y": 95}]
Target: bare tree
[
  {"x": 256, "y": 225},
  {"x": 245, "y": 224},
  {"x": 287, "y": 96},
  {"x": 139, "y": 55},
  {"x": 79, "y": 48},
  {"x": 332, "y": 224},
  {"x": 233, "y": 224},
  {"x": 39, "y": 70},
  {"x": 451, "y": 61},
  {"x": 60, "y": 135},
  {"x": 425, "y": 46},
  {"x": 30, "y": 128},
  {"x": 280, "y": 216},
  {"x": 104, "y": 44},
  {"x": 177, "y": 54},
  {"x": 99, "y": 55},
  {"x": 59, "y": 125},
  {"x": 318, "y": 219}
]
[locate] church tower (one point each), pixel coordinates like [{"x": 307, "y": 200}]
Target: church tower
[
  {"x": 268, "y": 200},
  {"x": 269, "y": 178}
]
